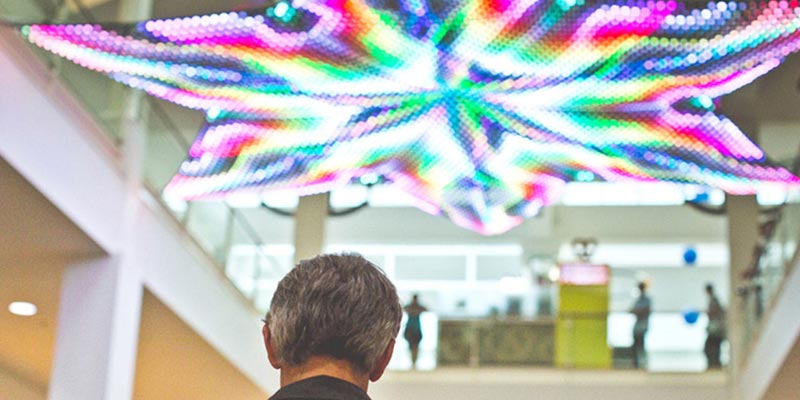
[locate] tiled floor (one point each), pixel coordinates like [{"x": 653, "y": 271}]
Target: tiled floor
[{"x": 544, "y": 383}]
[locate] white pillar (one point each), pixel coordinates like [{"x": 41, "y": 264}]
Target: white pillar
[
  {"x": 134, "y": 10},
  {"x": 100, "y": 307},
  {"x": 743, "y": 233},
  {"x": 97, "y": 332},
  {"x": 309, "y": 226},
  {"x": 742, "y": 239},
  {"x": 133, "y": 121}
]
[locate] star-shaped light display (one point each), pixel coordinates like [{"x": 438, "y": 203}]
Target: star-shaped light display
[{"x": 481, "y": 110}]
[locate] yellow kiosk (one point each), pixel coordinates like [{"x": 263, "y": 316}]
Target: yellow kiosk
[{"x": 581, "y": 322}]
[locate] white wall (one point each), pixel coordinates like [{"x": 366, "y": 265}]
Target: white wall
[
  {"x": 180, "y": 275},
  {"x": 40, "y": 122},
  {"x": 779, "y": 333}
]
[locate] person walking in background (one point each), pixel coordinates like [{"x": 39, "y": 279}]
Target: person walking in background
[
  {"x": 641, "y": 309},
  {"x": 413, "y": 331},
  {"x": 715, "y": 329}
]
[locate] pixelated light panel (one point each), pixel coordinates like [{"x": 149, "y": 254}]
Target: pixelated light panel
[{"x": 480, "y": 110}]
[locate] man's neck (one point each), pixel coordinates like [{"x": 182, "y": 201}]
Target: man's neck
[{"x": 327, "y": 366}]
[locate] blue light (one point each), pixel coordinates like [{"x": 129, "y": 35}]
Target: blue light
[
  {"x": 585, "y": 176},
  {"x": 706, "y": 102},
  {"x": 281, "y": 9}
]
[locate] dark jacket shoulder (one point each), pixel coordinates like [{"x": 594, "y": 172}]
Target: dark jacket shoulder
[{"x": 320, "y": 388}]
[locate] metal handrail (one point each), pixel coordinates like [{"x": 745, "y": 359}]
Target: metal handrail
[{"x": 758, "y": 293}]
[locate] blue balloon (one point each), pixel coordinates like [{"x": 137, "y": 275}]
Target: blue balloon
[
  {"x": 700, "y": 197},
  {"x": 690, "y": 315},
  {"x": 690, "y": 256}
]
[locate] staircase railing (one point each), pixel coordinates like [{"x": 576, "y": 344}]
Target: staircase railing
[
  {"x": 774, "y": 256},
  {"x": 217, "y": 228}
]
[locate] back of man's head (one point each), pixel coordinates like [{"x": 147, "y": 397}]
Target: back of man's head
[{"x": 339, "y": 306}]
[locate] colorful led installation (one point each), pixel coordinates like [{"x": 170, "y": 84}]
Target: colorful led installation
[{"x": 481, "y": 110}]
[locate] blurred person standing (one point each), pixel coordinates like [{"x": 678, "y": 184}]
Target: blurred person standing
[
  {"x": 413, "y": 331},
  {"x": 715, "y": 329},
  {"x": 330, "y": 329},
  {"x": 641, "y": 309}
]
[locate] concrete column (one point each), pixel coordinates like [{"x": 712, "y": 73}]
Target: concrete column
[
  {"x": 101, "y": 299},
  {"x": 134, "y": 10},
  {"x": 133, "y": 133},
  {"x": 743, "y": 232},
  {"x": 742, "y": 239},
  {"x": 97, "y": 332},
  {"x": 133, "y": 121},
  {"x": 309, "y": 226}
]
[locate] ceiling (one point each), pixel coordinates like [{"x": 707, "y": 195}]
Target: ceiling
[
  {"x": 774, "y": 97},
  {"x": 28, "y": 341},
  {"x": 106, "y": 10},
  {"x": 37, "y": 242}
]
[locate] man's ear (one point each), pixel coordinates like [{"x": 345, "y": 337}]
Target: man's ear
[
  {"x": 274, "y": 360},
  {"x": 382, "y": 362}
]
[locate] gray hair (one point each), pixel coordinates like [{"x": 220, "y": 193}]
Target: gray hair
[{"x": 338, "y": 305}]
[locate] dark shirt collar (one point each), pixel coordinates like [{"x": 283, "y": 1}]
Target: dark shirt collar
[{"x": 320, "y": 388}]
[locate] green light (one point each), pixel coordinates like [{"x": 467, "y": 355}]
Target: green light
[
  {"x": 281, "y": 9},
  {"x": 584, "y": 176},
  {"x": 705, "y": 102}
]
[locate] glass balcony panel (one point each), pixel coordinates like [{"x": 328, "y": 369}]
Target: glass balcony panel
[
  {"x": 163, "y": 152},
  {"x": 779, "y": 252},
  {"x": 208, "y": 222}
]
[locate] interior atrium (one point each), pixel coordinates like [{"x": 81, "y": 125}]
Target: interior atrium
[{"x": 523, "y": 167}]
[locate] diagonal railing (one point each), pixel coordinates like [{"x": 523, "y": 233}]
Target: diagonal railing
[
  {"x": 774, "y": 257},
  {"x": 216, "y": 227}
]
